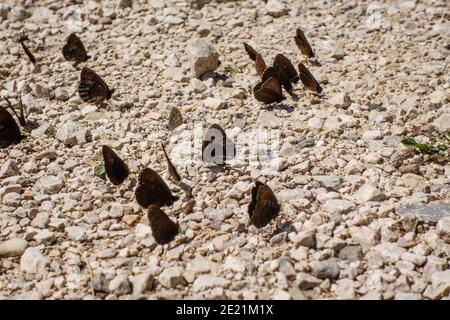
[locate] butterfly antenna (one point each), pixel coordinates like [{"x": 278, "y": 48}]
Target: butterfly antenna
[
  {"x": 11, "y": 107},
  {"x": 23, "y": 118}
]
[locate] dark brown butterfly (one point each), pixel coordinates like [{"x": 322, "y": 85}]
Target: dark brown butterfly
[
  {"x": 285, "y": 67},
  {"x": 264, "y": 205},
  {"x": 268, "y": 91},
  {"x": 164, "y": 230},
  {"x": 215, "y": 146},
  {"x": 116, "y": 170},
  {"x": 9, "y": 129},
  {"x": 27, "y": 51},
  {"x": 250, "y": 51},
  {"x": 308, "y": 79},
  {"x": 303, "y": 44},
  {"x": 171, "y": 168},
  {"x": 260, "y": 65},
  {"x": 74, "y": 50},
  {"x": 92, "y": 88},
  {"x": 153, "y": 190}
]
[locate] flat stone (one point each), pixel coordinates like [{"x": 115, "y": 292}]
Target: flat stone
[
  {"x": 235, "y": 264},
  {"x": 426, "y": 212},
  {"x": 443, "y": 228},
  {"x": 306, "y": 281},
  {"x": 326, "y": 269},
  {"x": 120, "y": 285},
  {"x": 368, "y": 192},
  {"x": 76, "y": 233},
  {"x": 276, "y": 8},
  {"x": 208, "y": 281},
  {"x": 50, "y": 184},
  {"x": 13, "y": 248},
  {"x": 338, "y": 206},
  {"x": 33, "y": 261},
  {"x": 8, "y": 169},
  {"x": 172, "y": 277},
  {"x": 351, "y": 253}
]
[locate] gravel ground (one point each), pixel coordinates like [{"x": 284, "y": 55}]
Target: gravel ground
[{"x": 362, "y": 216}]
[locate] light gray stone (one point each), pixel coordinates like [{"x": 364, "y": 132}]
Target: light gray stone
[
  {"x": 33, "y": 261},
  {"x": 203, "y": 57},
  {"x": 13, "y": 248}
]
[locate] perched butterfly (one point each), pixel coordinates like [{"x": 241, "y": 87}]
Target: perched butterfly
[
  {"x": 268, "y": 91},
  {"x": 92, "y": 88},
  {"x": 9, "y": 129},
  {"x": 308, "y": 79},
  {"x": 260, "y": 65},
  {"x": 74, "y": 50},
  {"x": 27, "y": 51},
  {"x": 215, "y": 146},
  {"x": 153, "y": 190},
  {"x": 116, "y": 170},
  {"x": 285, "y": 67},
  {"x": 264, "y": 205},
  {"x": 303, "y": 44},
  {"x": 171, "y": 168},
  {"x": 164, "y": 230},
  {"x": 250, "y": 51},
  {"x": 175, "y": 118}
]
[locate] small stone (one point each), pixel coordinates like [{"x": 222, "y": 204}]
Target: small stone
[
  {"x": 426, "y": 212},
  {"x": 8, "y": 169},
  {"x": 142, "y": 283},
  {"x": 142, "y": 231},
  {"x": 208, "y": 281},
  {"x": 45, "y": 236},
  {"x": 351, "y": 253},
  {"x": 100, "y": 283},
  {"x": 344, "y": 289},
  {"x": 307, "y": 238},
  {"x": 234, "y": 264},
  {"x": 368, "y": 192},
  {"x": 50, "y": 184},
  {"x": 76, "y": 233},
  {"x": 286, "y": 267},
  {"x": 13, "y": 248},
  {"x": 338, "y": 206},
  {"x": 172, "y": 277},
  {"x": 116, "y": 211},
  {"x": 443, "y": 122},
  {"x": 275, "y": 8},
  {"x": 268, "y": 119},
  {"x": 172, "y": 60},
  {"x": 203, "y": 57},
  {"x": 18, "y": 13},
  {"x": 385, "y": 253},
  {"x": 72, "y": 134},
  {"x": 341, "y": 100},
  {"x": 281, "y": 295},
  {"x": 61, "y": 94},
  {"x": 125, "y": 4},
  {"x": 306, "y": 281},
  {"x": 372, "y": 135},
  {"x": 32, "y": 261},
  {"x": 198, "y": 86},
  {"x": 326, "y": 269},
  {"x": 40, "y": 220},
  {"x": 443, "y": 228},
  {"x": 214, "y": 103},
  {"x": 120, "y": 285}
]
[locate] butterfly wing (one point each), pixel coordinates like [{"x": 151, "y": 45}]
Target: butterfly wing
[
  {"x": 308, "y": 79},
  {"x": 175, "y": 118},
  {"x": 250, "y": 51},
  {"x": 153, "y": 190},
  {"x": 285, "y": 67},
  {"x": 268, "y": 91},
  {"x": 303, "y": 44},
  {"x": 171, "y": 168},
  {"x": 74, "y": 49},
  {"x": 9, "y": 130},
  {"x": 266, "y": 206},
  {"x": 28, "y": 52},
  {"x": 116, "y": 169},
  {"x": 164, "y": 229},
  {"x": 92, "y": 88},
  {"x": 260, "y": 65}
]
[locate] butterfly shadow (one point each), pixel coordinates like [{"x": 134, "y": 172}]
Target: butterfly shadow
[{"x": 281, "y": 106}]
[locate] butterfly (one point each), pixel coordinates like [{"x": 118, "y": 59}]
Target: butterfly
[
  {"x": 171, "y": 168},
  {"x": 268, "y": 91},
  {"x": 285, "y": 67},
  {"x": 175, "y": 118},
  {"x": 92, "y": 88},
  {"x": 153, "y": 190},
  {"x": 250, "y": 51},
  {"x": 116, "y": 170},
  {"x": 303, "y": 44},
  {"x": 263, "y": 206},
  {"x": 9, "y": 129},
  {"x": 308, "y": 79},
  {"x": 74, "y": 50},
  {"x": 27, "y": 51},
  {"x": 215, "y": 146},
  {"x": 164, "y": 230}
]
